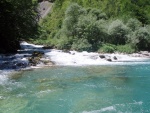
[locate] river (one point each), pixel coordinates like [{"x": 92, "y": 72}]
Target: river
[
  {"x": 80, "y": 82},
  {"x": 78, "y": 89}
]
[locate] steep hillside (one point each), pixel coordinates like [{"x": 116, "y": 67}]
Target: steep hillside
[
  {"x": 113, "y": 9},
  {"x": 129, "y": 17}
]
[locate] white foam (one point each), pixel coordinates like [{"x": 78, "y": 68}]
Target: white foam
[
  {"x": 110, "y": 108},
  {"x": 4, "y": 76},
  {"x": 85, "y": 58},
  {"x": 42, "y": 93},
  {"x": 137, "y": 103},
  {"x": 75, "y": 58},
  {"x": 25, "y": 45}
]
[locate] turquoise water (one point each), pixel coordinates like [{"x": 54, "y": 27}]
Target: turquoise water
[{"x": 88, "y": 89}]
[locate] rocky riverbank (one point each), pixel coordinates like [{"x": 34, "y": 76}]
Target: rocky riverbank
[
  {"x": 33, "y": 56},
  {"x": 30, "y": 56}
]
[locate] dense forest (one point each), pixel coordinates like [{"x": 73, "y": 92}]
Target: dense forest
[
  {"x": 18, "y": 21},
  {"x": 91, "y": 25},
  {"x": 98, "y": 25}
]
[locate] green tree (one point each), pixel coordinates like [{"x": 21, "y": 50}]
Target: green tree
[
  {"x": 141, "y": 39},
  {"x": 133, "y": 24},
  {"x": 18, "y": 20},
  {"x": 93, "y": 30},
  {"x": 72, "y": 14},
  {"x": 118, "y": 33}
]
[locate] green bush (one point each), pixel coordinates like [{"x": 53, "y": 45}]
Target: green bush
[
  {"x": 97, "y": 13},
  {"x": 125, "y": 49},
  {"x": 141, "y": 39},
  {"x": 73, "y": 26},
  {"x": 118, "y": 32},
  {"x": 72, "y": 14},
  {"x": 133, "y": 24},
  {"x": 88, "y": 27},
  {"x": 81, "y": 45},
  {"x": 107, "y": 48},
  {"x": 62, "y": 43},
  {"x": 148, "y": 28},
  {"x": 78, "y": 25}
]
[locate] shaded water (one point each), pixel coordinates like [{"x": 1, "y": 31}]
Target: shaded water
[{"x": 88, "y": 89}]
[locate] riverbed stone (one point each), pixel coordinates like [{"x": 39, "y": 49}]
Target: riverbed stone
[
  {"x": 102, "y": 56},
  {"x": 109, "y": 59},
  {"x": 115, "y": 58}
]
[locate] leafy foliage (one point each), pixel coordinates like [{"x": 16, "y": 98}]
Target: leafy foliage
[
  {"x": 118, "y": 32},
  {"x": 18, "y": 21},
  {"x": 95, "y": 22},
  {"x": 107, "y": 48},
  {"x": 125, "y": 49},
  {"x": 133, "y": 24},
  {"x": 81, "y": 45},
  {"x": 141, "y": 39},
  {"x": 80, "y": 24}
]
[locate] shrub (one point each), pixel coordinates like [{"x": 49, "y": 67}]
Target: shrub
[
  {"x": 133, "y": 24},
  {"x": 125, "y": 49},
  {"x": 81, "y": 45},
  {"x": 90, "y": 28},
  {"x": 72, "y": 14},
  {"x": 148, "y": 28},
  {"x": 107, "y": 48},
  {"x": 118, "y": 32},
  {"x": 97, "y": 13},
  {"x": 141, "y": 39},
  {"x": 62, "y": 43}
]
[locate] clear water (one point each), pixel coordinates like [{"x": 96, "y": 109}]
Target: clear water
[{"x": 91, "y": 89}]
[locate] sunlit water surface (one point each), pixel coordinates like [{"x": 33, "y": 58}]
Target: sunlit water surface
[{"x": 87, "y": 89}]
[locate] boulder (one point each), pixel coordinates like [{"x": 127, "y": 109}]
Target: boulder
[
  {"x": 145, "y": 53},
  {"x": 102, "y": 56},
  {"x": 46, "y": 61},
  {"x": 33, "y": 61},
  {"x": 109, "y": 59},
  {"x": 37, "y": 54},
  {"x": 66, "y": 51},
  {"x": 115, "y": 58},
  {"x": 47, "y": 47}
]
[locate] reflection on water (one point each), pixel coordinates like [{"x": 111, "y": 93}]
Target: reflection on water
[{"x": 91, "y": 89}]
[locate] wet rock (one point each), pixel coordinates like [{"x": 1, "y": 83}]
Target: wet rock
[
  {"x": 5, "y": 65},
  {"x": 66, "y": 51},
  {"x": 145, "y": 53},
  {"x": 37, "y": 54},
  {"x": 13, "y": 64},
  {"x": 33, "y": 61},
  {"x": 35, "y": 58},
  {"x": 26, "y": 55},
  {"x": 109, "y": 59},
  {"x": 102, "y": 56},
  {"x": 21, "y": 64},
  {"x": 115, "y": 58},
  {"x": 47, "y": 47},
  {"x": 46, "y": 61}
]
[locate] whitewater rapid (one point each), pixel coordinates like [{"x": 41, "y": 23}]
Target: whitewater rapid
[
  {"x": 75, "y": 58},
  {"x": 70, "y": 58},
  {"x": 90, "y": 58}
]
